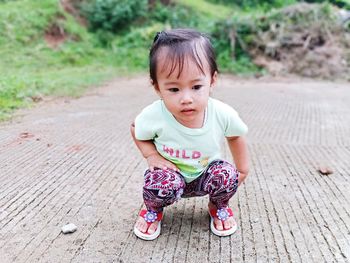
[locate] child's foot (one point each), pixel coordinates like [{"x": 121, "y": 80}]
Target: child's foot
[
  {"x": 148, "y": 225},
  {"x": 142, "y": 225},
  {"x": 222, "y": 226}
]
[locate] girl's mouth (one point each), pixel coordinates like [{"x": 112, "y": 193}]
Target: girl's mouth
[{"x": 187, "y": 111}]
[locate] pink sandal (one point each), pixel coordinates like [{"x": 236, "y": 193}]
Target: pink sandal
[
  {"x": 149, "y": 217},
  {"x": 222, "y": 214}
]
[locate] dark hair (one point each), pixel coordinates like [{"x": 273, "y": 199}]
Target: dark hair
[{"x": 181, "y": 43}]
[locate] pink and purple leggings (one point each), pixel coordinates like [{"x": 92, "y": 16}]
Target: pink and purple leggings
[{"x": 164, "y": 187}]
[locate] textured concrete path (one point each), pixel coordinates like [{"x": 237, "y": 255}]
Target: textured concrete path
[{"x": 74, "y": 161}]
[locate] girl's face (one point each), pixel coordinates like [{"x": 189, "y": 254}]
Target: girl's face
[{"x": 186, "y": 96}]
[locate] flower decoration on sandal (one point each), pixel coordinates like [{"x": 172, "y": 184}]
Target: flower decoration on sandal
[
  {"x": 222, "y": 214},
  {"x": 150, "y": 216}
]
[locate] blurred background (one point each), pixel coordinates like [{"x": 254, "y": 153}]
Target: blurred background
[{"x": 60, "y": 47}]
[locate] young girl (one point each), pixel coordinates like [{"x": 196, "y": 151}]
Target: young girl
[{"x": 181, "y": 134}]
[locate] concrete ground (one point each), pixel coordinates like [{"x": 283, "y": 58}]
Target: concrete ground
[{"x": 73, "y": 161}]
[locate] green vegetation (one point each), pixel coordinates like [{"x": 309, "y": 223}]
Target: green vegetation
[
  {"x": 46, "y": 51},
  {"x": 114, "y": 15},
  {"x": 209, "y": 9},
  {"x": 268, "y": 4},
  {"x": 31, "y": 69}
]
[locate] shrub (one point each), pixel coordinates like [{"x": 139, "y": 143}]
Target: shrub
[
  {"x": 340, "y": 3},
  {"x": 246, "y": 4},
  {"x": 113, "y": 15},
  {"x": 174, "y": 15}
]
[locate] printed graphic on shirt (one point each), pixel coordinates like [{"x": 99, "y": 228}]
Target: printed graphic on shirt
[
  {"x": 181, "y": 153},
  {"x": 204, "y": 162}
]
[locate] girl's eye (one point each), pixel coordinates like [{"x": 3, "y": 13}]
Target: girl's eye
[
  {"x": 197, "y": 87},
  {"x": 173, "y": 89}
]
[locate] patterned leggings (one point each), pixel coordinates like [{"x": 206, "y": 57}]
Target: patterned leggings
[{"x": 164, "y": 187}]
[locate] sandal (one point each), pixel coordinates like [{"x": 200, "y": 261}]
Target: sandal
[
  {"x": 221, "y": 214},
  {"x": 149, "y": 217}
]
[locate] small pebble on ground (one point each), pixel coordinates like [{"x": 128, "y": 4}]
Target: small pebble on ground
[{"x": 69, "y": 228}]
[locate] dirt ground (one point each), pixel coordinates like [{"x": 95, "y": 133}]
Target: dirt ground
[{"x": 73, "y": 161}]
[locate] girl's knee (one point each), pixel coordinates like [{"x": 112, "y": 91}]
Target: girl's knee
[
  {"x": 162, "y": 188},
  {"x": 163, "y": 181},
  {"x": 222, "y": 175}
]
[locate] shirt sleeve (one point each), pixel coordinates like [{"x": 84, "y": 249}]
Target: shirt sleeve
[
  {"x": 145, "y": 124},
  {"x": 233, "y": 124}
]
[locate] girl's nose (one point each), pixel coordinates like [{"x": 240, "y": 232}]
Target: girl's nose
[{"x": 186, "y": 98}]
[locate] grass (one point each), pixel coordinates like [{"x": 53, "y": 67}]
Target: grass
[{"x": 29, "y": 68}]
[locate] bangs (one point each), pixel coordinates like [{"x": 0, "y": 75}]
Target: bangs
[{"x": 177, "y": 55}]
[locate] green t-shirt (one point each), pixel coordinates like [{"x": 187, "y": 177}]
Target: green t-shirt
[{"x": 191, "y": 150}]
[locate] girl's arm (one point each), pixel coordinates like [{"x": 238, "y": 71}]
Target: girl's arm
[
  {"x": 239, "y": 151},
  {"x": 150, "y": 153}
]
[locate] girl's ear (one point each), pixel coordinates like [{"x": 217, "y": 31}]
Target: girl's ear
[
  {"x": 156, "y": 88},
  {"x": 213, "y": 80},
  {"x": 158, "y": 91}
]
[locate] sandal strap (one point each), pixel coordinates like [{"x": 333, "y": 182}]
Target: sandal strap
[
  {"x": 222, "y": 213},
  {"x": 151, "y": 216}
]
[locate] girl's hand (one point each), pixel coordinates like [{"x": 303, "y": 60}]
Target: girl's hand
[
  {"x": 155, "y": 160},
  {"x": 242, "y": 176}
]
